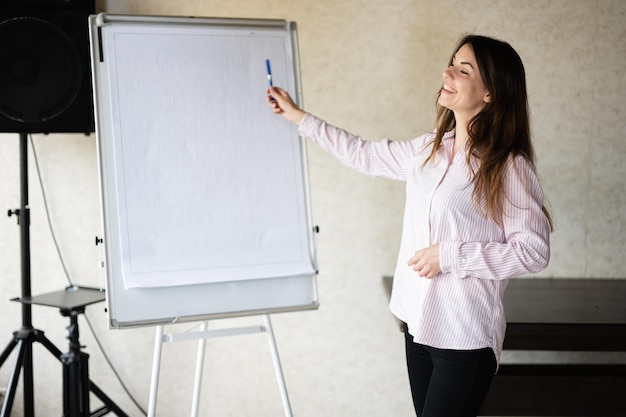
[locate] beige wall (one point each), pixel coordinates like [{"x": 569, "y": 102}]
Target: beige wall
[{"x": 372, "y": 67}]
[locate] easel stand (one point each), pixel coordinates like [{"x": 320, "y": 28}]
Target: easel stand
[{"x": 202, "y": 335}]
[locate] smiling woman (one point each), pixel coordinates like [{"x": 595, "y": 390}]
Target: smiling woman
[
  {"x": 463, "y": 91},
  {"x": 501, "y": 127},
  {"x": 474, "y": 218}
]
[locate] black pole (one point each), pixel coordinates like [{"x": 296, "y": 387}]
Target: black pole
[
  {"x": 27, "y": 320},
  {"x": 24, "y": 220}
]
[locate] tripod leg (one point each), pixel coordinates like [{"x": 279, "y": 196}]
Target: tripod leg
[
  {"x": 28, "y": 380},
  {"x": 106, "y": 400},
  {"x": 40, "y": 337},
  {"x": 7, "y": 351},
  {"x": 15, "y": 376},
  {"x": 8, "y": 402},
  {"x": 23, "y": 340}
]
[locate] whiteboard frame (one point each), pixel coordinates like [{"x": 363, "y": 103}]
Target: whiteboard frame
[{"x": 164, "y": 305}]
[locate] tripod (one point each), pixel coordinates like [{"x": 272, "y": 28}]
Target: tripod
[{"x": 72, "y": 302}]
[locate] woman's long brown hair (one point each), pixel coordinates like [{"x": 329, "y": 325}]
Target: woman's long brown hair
[{"x": 500, "y": 129}]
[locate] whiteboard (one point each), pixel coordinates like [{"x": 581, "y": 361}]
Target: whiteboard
[{"x": 204, "y": 190}]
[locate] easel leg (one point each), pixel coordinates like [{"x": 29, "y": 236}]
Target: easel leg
[
  {"x": 202, "y": 335},
  {"x": 277, "y": 367},
  {"x": 198, "y": 377},
  {"x": 156, "y": 363}
]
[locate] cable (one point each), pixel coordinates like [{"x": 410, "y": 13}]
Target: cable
[
  {"x": 67, "y": 275},
  {"x": 106, "y": 358},
  {"x": 45, "y": 203}
]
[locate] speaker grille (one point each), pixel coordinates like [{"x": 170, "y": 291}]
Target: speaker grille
[
  {"x": 41, "y": 71},
  {"x": 45, "y": 77}
]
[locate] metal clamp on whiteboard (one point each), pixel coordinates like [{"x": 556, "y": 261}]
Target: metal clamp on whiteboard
[{"x": 101, "y": 19}]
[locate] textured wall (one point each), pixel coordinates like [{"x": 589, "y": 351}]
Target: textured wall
[{"x": 372, "y": 67}]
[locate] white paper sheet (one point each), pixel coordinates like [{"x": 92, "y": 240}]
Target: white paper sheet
[{"x": 209, "y": 181}]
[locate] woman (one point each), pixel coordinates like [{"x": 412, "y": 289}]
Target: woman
[{"x": 474, "y": 218}]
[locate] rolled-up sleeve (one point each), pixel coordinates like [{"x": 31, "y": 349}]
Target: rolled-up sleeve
[{"x": 526, "y": 245}]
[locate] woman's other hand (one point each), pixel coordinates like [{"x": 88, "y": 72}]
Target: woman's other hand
[{"x": 426, "y": 262}]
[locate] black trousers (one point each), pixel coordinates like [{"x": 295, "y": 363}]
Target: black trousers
[{"x": 448, "y": 383}]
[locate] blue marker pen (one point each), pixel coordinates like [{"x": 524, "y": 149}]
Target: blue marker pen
[
  {"x": 269, "y": 75},
  {"x": 269, "y": 72}
]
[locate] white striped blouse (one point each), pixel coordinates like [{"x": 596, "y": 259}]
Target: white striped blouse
[{"x": 461, "y": 307}]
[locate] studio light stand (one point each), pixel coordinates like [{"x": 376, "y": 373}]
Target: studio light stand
[
  {"x": 24, "y": 338},
  {"x": 71, "y": 302}
]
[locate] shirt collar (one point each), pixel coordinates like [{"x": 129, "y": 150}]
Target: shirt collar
[{"x": 450, "y": 134}]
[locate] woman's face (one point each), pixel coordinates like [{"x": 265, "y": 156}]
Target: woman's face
[{"x": 463, "y": 89}]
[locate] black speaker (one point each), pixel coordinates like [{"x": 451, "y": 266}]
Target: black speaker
[{"x": 45, "y": 75}]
